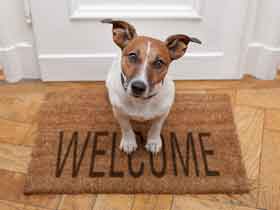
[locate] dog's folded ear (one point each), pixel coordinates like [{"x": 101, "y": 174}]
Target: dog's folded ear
[
  {"x": 178, "y": 44},
  {"x": 123, "y": 32}
]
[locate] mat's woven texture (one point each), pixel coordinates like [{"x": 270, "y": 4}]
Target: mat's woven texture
[{"x": 77, "y": 149}]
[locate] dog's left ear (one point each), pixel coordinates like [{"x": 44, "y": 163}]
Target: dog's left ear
[
  {"x": 178, "y": 44},
  {"x": 123, "y": 32}
]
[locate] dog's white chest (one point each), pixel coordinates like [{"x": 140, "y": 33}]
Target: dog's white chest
[{"x": 141, "y": 111}]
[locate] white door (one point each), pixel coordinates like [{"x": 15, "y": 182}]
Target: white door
[{"x": 73, "y": 45}]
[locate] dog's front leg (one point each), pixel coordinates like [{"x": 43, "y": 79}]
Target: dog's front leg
[
  {"x": 154, "y": 142},
  {"x": 128, "y": 142}
]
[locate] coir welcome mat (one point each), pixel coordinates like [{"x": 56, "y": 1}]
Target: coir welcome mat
[{"x": 77, "y": 150}]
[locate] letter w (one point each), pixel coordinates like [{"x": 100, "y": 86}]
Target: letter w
[{"x": 76, "y": 163}]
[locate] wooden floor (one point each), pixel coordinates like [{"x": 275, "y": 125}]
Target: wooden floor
[{"x": 257, "y": 114}]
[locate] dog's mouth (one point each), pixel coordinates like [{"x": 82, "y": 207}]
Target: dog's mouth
[
  {"x": 142, "y": 97},
  {"x": 135, "y": 95}
]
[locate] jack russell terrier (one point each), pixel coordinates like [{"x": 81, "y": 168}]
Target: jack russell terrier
[{"x": 138, "y": 85}]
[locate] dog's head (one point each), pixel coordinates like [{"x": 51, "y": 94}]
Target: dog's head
[{"x": 145, "y": 60}]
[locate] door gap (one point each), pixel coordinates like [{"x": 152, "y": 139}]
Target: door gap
[{"x": 2, "y": 76}]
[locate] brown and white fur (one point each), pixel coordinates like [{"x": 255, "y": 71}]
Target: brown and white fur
[{"x": 138, "y": 84}]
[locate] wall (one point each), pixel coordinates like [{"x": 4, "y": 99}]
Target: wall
[
  {"x": 17, "y": 54},
  {"x": 259, "y": 56},
  {"x": 261, "y": 51}
]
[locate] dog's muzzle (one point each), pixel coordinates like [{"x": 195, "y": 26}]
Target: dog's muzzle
[{"x": 137, "y": 87}]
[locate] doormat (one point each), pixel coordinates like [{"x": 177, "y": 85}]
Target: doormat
[{"x": 77, "y": 149}]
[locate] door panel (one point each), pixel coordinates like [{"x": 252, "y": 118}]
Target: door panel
[{"x": 72, "y": 44}]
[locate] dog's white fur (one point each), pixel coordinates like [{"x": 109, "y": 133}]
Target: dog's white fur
[{"x": 127, "y": 107}]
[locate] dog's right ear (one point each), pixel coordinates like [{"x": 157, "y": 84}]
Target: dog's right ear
[{"x": 123, "y": 32}]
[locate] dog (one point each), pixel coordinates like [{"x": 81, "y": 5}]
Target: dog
[{"x": 138, "y": 85}]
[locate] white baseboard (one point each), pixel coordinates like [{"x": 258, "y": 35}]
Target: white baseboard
[
  {"x": 94, "y": 67},
  {"x": 19, "y": 62},
  {"x": 262, "y": 61}
]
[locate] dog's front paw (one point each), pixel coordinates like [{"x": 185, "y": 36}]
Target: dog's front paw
[
  {"x": 128, "y": 145},
  {"x": 154, "y": 145}
]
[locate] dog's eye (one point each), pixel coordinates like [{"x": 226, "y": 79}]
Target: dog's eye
[
  {"x": 132, "y": 57},
  {"x": 158, "y": 64}
]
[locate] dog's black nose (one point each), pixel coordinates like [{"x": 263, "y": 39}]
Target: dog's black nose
[{"x": 138, "y": 87}]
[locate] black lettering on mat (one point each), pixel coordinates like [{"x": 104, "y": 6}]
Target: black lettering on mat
[
  {"x": 163, "y": 165},
  {"x": 114, "y": 173},
  {"x": 131, "y": 171},
  {"x": 205, "y": 153},
  {"x": 96, "y": 152},
  {"x": 74, "y": 141},
  {"x": 175, "y": 149}
]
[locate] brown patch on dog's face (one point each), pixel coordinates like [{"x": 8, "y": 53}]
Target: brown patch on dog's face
[{"x": 146, "y": 54}]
